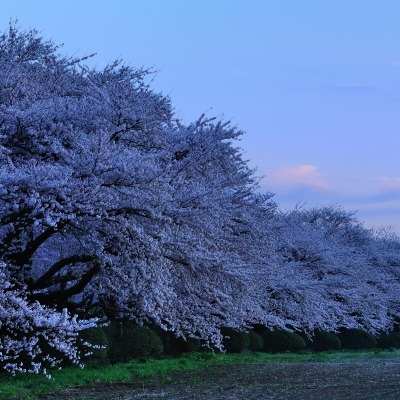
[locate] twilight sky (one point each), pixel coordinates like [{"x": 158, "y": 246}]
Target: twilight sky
[{"x": 314, "y": 84}]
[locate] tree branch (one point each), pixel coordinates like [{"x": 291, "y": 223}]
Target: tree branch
[
  {"x": 43, "y": 281},
  {"x": 59, "y": 296}
]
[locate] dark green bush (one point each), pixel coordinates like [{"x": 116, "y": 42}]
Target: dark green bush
[
  {"x": 95, "y": 336},
  {"x": 324, "y": 341},
  {"x": 389, "y": 340},
  {"x": 256, "y": 342},
  {"x": 179, "y": 345},
  {"x": 279, "y": 340},
  {"x": 192, "y": 344},
  {"x": 357, "y": 339},
  {"x": 166, "y": 338},
  {"x": 258, "y": 328},
  {"x": 235, "y": 341},
  {"x": 128, "y": 340},
  {"x": 174, "y": 345}
]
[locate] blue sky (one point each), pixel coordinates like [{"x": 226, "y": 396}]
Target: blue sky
[{"x": 314, "y": 84}]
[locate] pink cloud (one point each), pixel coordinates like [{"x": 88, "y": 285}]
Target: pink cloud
[
  {"x": 392, "y": 184},
  {"x": 305, "y": 176}
]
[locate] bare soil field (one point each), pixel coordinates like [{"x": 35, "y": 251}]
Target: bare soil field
[{"x": 308, "y": 380}]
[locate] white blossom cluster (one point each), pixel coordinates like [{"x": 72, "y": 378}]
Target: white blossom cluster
[
  {"x": 325, "y": 270},
  {"x": 34, "y": 337},
  {"x": 111, "y": 208}
]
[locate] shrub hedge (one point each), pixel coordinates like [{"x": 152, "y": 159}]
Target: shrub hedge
[
  {"x": 235, "y": 341},
  {"x": 97, "y": 337},
  {"x": 357, "y": 339},
  {"x": 325, "y": 341},
  {"x": 174, "y": 345},
  {"x": 389, "y": 340},
  {"x": 279, "y": 340},
  {"x": 255, "y": 341},
  {"x": 122, "y": 341},
  {"x": 128, "y": 341}
]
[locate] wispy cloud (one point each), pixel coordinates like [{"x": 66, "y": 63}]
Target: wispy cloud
[
  {"x": 297, "y": 177},
  {"x": 377, "y": 203},
  {"x": 360, "y": 88},
  {"x": 390, "y": 184},
  {"x": 356, "y": 87}
]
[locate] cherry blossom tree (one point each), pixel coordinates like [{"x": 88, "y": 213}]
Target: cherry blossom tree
[
  {"x": 109, "y": 207},
  {"x": 108, "y": 204},
  {"x": 325, "y": 270}
]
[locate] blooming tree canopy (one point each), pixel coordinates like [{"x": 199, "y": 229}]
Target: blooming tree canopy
[
  {"x": 326, "y": 271},
  {"x": 109, "y": 207},
  {"x": 109, "y": 204}
]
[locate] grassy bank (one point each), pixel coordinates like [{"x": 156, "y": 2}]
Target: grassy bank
[{"x": 155, "y": 371}]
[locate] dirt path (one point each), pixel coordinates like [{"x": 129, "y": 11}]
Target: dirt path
[{"x": 289, "y": 381}]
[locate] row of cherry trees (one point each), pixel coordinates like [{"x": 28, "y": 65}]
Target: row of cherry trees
[{"x": 110, "y": 208}]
